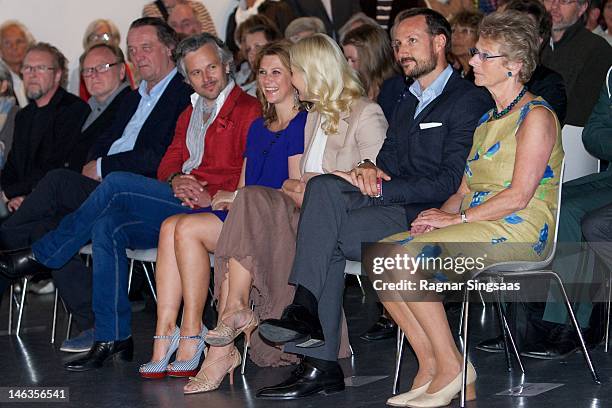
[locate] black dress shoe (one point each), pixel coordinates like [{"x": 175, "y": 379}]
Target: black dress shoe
[
  {"x": 100, "y": 352},
  {"x": 494, "y": 345},
  {"x": 20, "y": 263},
  {"x": 296, "y": 324},
  {"x": 561, "y": 343},
  {"x": 306, "y": 380},
  {"x": 384, "y": 328}
]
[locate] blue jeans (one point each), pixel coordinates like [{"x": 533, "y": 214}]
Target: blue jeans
[{"x": 125, "y": 211}]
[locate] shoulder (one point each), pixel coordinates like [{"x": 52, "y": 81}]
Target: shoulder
[
  {"x": 71, "y": 100},
  {"x": 538, "y": 114},
  {"x": 595, "y": 42},
  {"x": 364, "y": 105}
]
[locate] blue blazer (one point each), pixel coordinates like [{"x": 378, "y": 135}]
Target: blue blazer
[
  {"x": 154, "y": 136},
  {"x": 425, "y": 156}
]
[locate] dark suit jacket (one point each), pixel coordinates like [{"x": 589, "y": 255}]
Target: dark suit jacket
[
  {"x": 426, "y": 165},
  {"x": 369, "y": 8},
  {"x": 154, "y": 136},
  {"x": 391, "y": 93},
  {"x": 42, "y": 141},
  {"x": 89, "y": 136},
  {"x": 342, "y": 10}
]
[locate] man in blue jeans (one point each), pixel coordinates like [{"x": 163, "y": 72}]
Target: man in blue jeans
[{"x": 127, "y": 210}]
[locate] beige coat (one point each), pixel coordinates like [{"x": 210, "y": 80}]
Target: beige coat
[{"x": 360, "y": 136}]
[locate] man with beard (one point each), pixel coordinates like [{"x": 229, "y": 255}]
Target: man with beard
[
  {"x": 45, "y": 130},
  {"x": 127, "y": 209},
  {"x": 421, "y": 164}
]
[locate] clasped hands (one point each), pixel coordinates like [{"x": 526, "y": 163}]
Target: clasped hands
[
  {"x": 432, "y": 219},
  {"x": 364, "y": 178},
  {"x": 190, "y": 191}
]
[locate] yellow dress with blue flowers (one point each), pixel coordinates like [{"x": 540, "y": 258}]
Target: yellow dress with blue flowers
[{"x": 522, "y": 236}]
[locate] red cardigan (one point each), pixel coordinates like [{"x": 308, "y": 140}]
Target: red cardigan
[{"x": 224, "y": 146}]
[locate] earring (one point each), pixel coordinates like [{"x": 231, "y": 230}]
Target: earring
[{"x": 509, "y": 74}]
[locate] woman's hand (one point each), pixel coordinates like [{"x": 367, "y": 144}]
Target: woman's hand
[
  {"x": 435, "y": 218},
  {"x": 294, "y": 189},
  {"x": 223, "y": 200}
]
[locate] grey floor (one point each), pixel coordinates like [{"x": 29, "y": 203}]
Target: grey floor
[{"x": 31, "y": 360}]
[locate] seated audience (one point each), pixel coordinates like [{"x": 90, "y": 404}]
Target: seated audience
[
  {"x": 44, "y": 129},
  {"x": 15, "y": 39},
  {"x": 357, "y": 20},
  {"x": 333, "y": 13},
  {"x": 163, "y": 9},
  {"x": 581, "y": 57},
  {"x": 451, "y": 7},
  {"x": 274, "y": 147},
  {"x": 303, "y": 27},
  {"x": 279, "y": 12},
  {"x": 8, "y": 111},
  {"x": 465, "y": 34},
  {"x": 251, "y": 35},
  {"x": 103, "y": 31},
  {"x": 420, "y": 167},
  {"x": 343, "y": 127},
  {"x": 127, "y": 209},
  {"x": 132, "y": 133},
  {"x": 368, "y": 51},
  {"x": 521, "y": 142},
  {"x": 184, "y": 21},
  {"x": 385, "y": 11},
  {"x": 593, "y": 15},
  {"x": 603, "y": 29}
]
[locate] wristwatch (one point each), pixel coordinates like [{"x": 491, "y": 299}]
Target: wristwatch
[
  {"x": 464, "y": 218},
  {"x": 173, "y": 176},
  {"x": 364, "y": 161}
]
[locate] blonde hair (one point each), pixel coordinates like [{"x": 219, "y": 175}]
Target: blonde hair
[
  {"x": 332, "y": 84},
  {"x": 517, "y": 36}
]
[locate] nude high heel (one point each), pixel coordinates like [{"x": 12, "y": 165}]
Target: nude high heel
[
  {"x": 444, "y": 397},
  {"x": 204, "y": 384},
  {"x": 222, "y": 335}
]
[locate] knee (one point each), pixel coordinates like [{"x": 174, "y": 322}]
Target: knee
[
  {"x": 593, "y": 228},
  {"x": 105, "y": 229},
  {"x": 57, "y": 176},
  {"x": 168, "y": 226},
  {"x": 185, "y": 229},
  {"x": 322, "y": 183}
]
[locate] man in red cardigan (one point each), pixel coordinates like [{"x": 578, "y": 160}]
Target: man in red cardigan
[{"x": 126, "y": 210}]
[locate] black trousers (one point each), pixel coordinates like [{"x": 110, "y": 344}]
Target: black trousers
[
  {"x": 335, "y": 219},
  {"x": 57, "y": 194}
]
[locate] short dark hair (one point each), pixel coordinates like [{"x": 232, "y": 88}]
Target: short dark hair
[
  {"x": 195, "y": 42},
  {"x": 536, "y": 10},
  {"x": 60, "y": 60},
  {"x": 256, "y": 24},
  {"x": 436, "y": 23},
  {"x": 165, "y": 34}
]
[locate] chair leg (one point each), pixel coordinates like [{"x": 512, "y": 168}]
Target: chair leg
[
  {"x": 24, "y": 290},
  {"x": 501, "y": 318},
  {"x": 515, "y": 351},
  {"x": 69, "y": 328},
  {"x": 360, "y": 285},
  {"x": 246, "y": 347},
  {"x": 146, "y": 270},
  {"x": 10, "y": 316},
  {"x": 585, "y": 351},
  {"x": 54, "y": 316},
  {"x": 608, "y": 311},
  {"x": 465, "y": 320},
  {"x": 130, "y": 275},
  {"x": 398, "y": 358},
  {"x": 465, "y": 298}
]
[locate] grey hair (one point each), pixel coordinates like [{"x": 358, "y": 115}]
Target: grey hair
[
  {"x": 114, "y": 31},
  {"x": 359, "y": 18},
  {"x": 194, "y": 43},
  {"x": 14, "y": 23},
  {"x": 300, "y": 24},
  {"x": 5, "y": 75}
]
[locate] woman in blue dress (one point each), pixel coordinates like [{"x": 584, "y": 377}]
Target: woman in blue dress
[{"x": 275, "y": 144}]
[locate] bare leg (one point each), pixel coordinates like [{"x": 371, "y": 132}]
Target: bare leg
[
  {"x": 419, "y": 341},
  {"x": 195, "y": 236},
  {"x": 168, "y": 283}
]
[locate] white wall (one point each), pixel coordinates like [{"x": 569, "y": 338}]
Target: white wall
[{"x": 63, "y": 22}]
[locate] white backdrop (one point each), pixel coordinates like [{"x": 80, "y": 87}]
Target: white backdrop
[{"x": 63, "y": 22}]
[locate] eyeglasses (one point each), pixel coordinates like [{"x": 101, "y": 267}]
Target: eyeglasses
[
  {"x": 29, "y": 69},
  {"x": 562, "y": 2},
  {"x": 483, "y": 55},
  {"x": 100, "y": 69},
  {"x": 463, "y": 30}
]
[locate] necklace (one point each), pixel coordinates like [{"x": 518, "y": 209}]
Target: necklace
[{"x": 497, "y": 115}]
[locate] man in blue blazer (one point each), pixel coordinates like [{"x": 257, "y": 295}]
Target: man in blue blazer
[
  {"x": 421, "y": 164},
  {"x": 137, "y": 139}
]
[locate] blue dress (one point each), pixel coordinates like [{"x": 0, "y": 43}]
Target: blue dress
[{"x": 266, "y": 153}]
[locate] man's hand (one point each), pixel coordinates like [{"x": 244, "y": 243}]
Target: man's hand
[
  {"x": 91, "y": 170},
  {"x": 191, "y": 191},
  {"x": 14, "y": 203},
  {"x": 364, "y": 178},
  {"x": 223, "y": 200}
]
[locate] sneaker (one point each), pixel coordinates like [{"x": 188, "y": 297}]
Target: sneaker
[
  {"x": 42, "y": 287},
  {"x": 80, "y": 343}
]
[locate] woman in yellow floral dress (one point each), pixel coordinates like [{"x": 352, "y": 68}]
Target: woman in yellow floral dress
[{"x": 506, "y": 203}]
